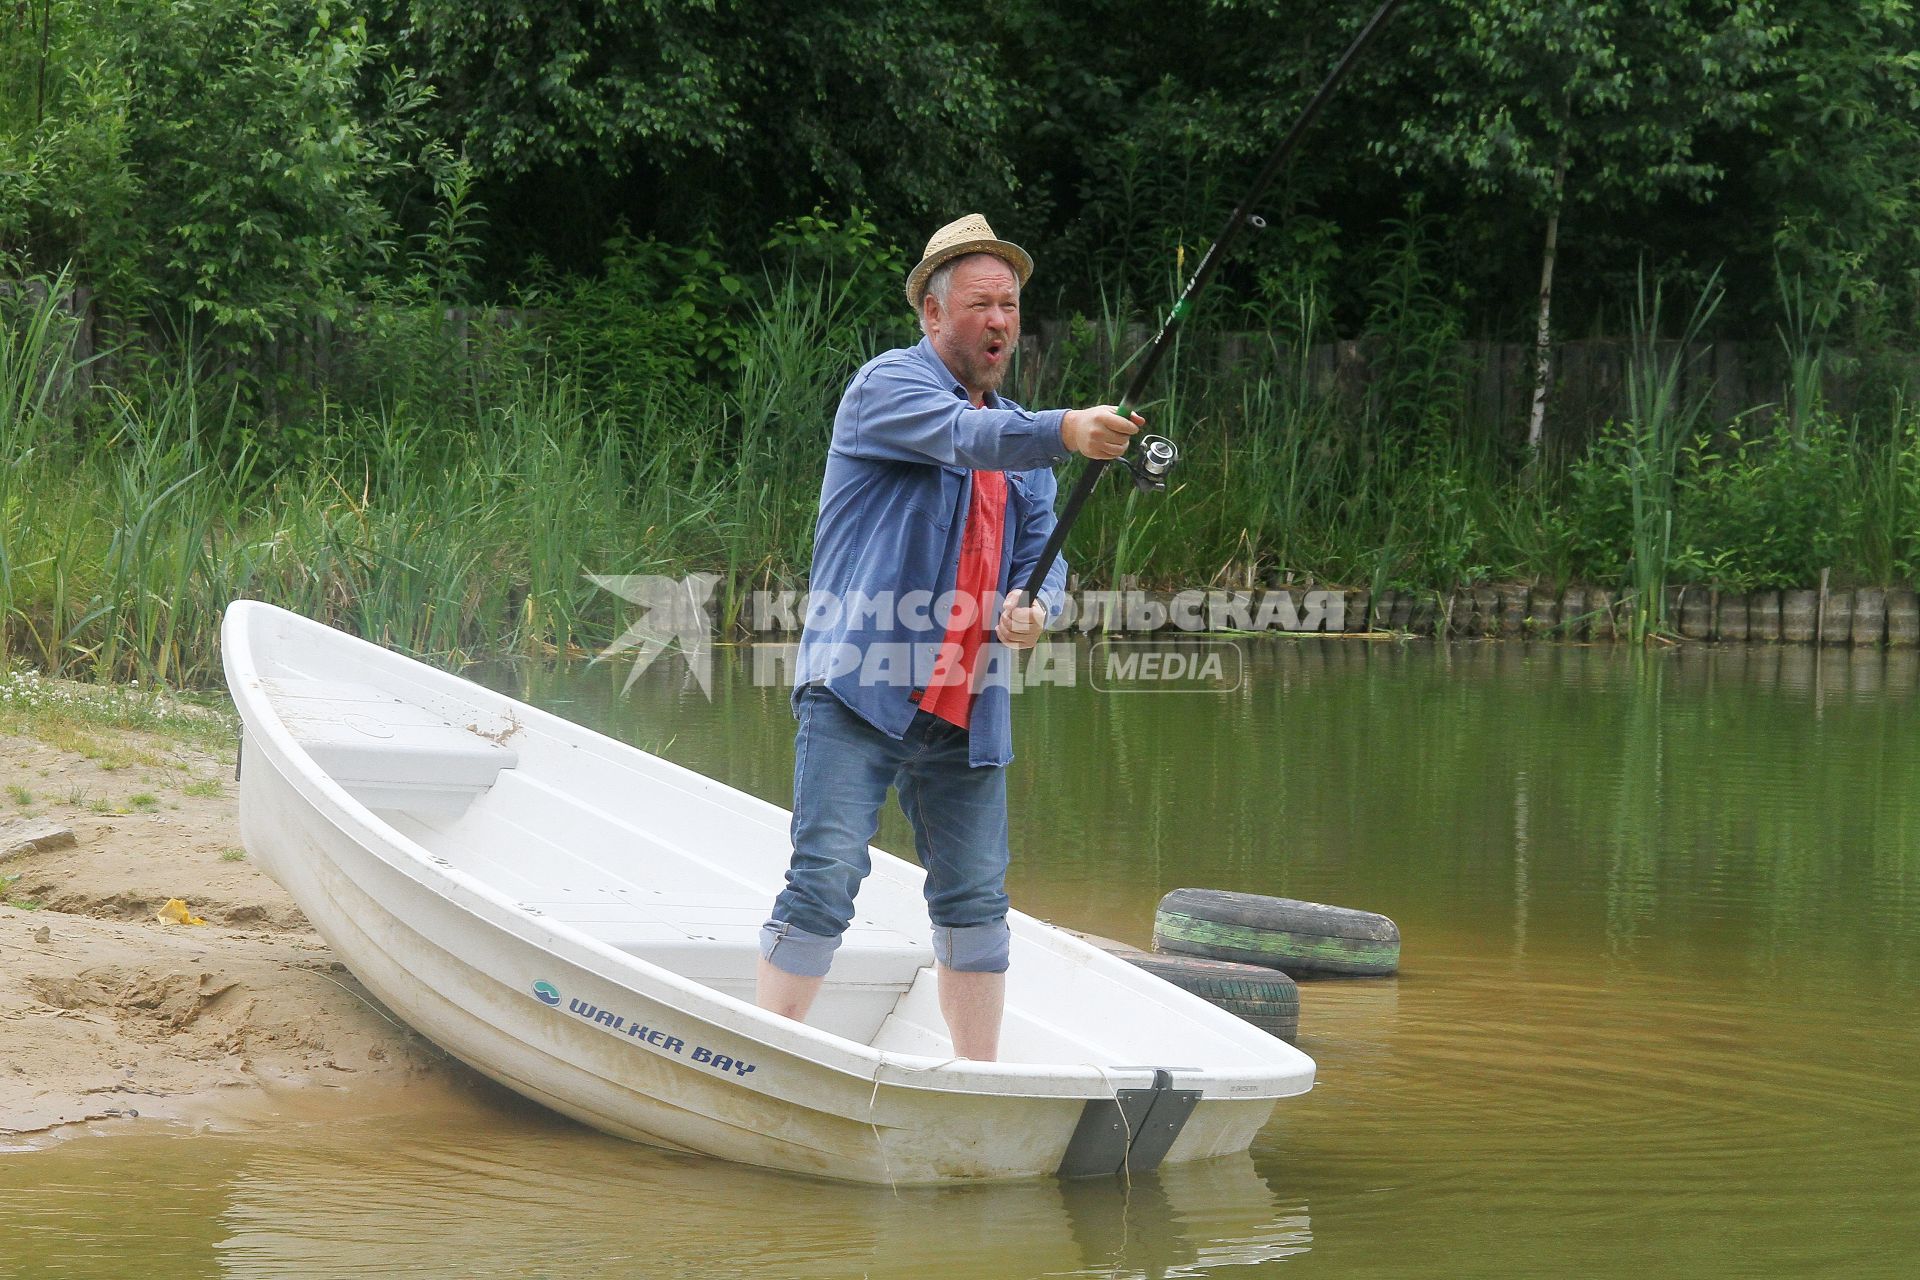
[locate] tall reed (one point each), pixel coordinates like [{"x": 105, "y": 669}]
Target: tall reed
[
  {"x": 1888, "y": 484},
  {"x": 37, "y": 368},
  {"x": 461, "y": 517},
  {"x": 1662, "y": 413}
]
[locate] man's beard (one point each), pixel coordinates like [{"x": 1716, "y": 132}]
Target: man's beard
[{"x": 981, "y": 375}]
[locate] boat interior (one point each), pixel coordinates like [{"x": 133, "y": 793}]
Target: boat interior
[{"x": 614, "y": 846}]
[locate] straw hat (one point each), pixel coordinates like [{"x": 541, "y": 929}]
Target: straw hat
[{"x": 957, "y": 239}]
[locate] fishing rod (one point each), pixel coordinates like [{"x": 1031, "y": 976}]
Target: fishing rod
[{"x": 1157, "y": 455}]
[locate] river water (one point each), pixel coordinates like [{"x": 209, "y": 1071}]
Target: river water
[{"x": 1658, "y": 1013}]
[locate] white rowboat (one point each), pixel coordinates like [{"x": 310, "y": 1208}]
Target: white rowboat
[{"x": 577, "y": 919}]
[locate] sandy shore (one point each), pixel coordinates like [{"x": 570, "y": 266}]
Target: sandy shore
[{"x": 108, "y": 1012}]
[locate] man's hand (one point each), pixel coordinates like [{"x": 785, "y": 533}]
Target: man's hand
[
  {"x": 1099, "y": 433},
  {"x": 1021, "y": 626}
]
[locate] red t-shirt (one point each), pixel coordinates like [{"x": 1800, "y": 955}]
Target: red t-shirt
[{"x": 949, "y": 692}]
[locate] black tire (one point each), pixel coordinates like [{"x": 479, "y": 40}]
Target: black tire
[
  {"x": 1264, "y": 997},
  {"x": 1297, "y": 938}
]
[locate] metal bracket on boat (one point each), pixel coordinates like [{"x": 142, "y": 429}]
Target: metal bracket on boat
[{"x": 1132, "y": 1130}]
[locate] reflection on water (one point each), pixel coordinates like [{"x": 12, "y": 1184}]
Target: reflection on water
[
  {"x": 1659, "y": 1011},
  {"x": 526, "y": 1195}
]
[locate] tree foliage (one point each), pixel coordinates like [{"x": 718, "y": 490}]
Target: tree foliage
[
  {"x": 249, "y": 162},
  {"x": 232, "y": 161},
  {"x": 1840, "y": 173},
  {"x": 1623, "y": 93},
  {"x": 892, "y": 101}
]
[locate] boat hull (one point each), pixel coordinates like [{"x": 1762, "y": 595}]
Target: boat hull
[{"x": 633, "y": 1051}]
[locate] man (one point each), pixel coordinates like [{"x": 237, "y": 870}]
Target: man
[{"x": 936, "y": 489}]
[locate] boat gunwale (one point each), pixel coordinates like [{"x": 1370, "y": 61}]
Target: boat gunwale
[{"x": 863, "y": 1063}]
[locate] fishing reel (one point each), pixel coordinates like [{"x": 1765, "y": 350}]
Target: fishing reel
[{"x": 1151, "y": 458}]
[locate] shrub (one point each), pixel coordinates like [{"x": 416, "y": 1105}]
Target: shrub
[{"x": 1766, "y": 510}]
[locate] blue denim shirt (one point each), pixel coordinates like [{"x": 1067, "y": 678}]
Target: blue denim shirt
[{"x": 893, "y": 506}]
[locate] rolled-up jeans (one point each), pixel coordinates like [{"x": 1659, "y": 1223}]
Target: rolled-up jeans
[{"x": 842, "y": 768}]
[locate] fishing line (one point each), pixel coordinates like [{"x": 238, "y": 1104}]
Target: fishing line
[{"x": 1157, "y": 455}]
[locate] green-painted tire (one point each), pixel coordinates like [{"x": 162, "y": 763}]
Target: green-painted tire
[
  {"x": 1297, "y": 938},
  {"x": 1262, "y": 996}
]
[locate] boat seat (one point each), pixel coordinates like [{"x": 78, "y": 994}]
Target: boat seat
[
  {"x": 387, "y": 753},
  {"x": 715, "y": 940}
]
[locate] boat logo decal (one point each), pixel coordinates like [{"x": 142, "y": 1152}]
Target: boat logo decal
[{"x": 657, "y": 1038}]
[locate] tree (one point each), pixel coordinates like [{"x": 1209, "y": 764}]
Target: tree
[
  {"x": 1839, "y": 184},
  {"x": 1148, "y": 122},
  {"x": 1562, "y": 103},
  {"x": 235, "y": 160},
  {"x": 67, "y": 188},
  {"x": 769, "y": 107}
]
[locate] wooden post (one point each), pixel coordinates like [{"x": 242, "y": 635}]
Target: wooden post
[
  {"x": 1733, "y": 617},
  {"x": 1869, "y": 616},
  {"x": 1600, "y": 614},
  {"x": 1573, "y": 613},
  {"x": 1513, "y": 609},
  {"x": 1420, "y": 618},
  {"x": 1903, "y": 618},
  {"x": 1836, "y": 617},
  {"x": 1486, "y": 612},
  {"x": 1696, "y": 613},
  {"x": 1543, "y": 613},
  {"x": 1799, "y": 616}
]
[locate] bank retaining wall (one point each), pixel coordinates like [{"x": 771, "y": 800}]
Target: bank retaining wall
[{"x": 1855, "y": 616}]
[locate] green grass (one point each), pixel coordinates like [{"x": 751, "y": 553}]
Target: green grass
[
  {"x": 113, "y": 725},
  {"x": 19, "y": 795},
  {"x": 459, "y": 518}
]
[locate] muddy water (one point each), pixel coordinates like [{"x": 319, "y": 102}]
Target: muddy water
[
  {"x": 511, "y": 1193},
  {"x": 1658, "y": 1011}
]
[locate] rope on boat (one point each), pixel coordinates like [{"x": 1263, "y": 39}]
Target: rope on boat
[
  {"x": 873, "y": 1100},
  {"x": 1126, "y": 1125},
  {"x": 400, "y": 1027}
]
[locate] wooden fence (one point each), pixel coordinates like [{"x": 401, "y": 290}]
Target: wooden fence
[
  {"x": 1588, "y": 378},
  {"x": 1495, "y": 378}
]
